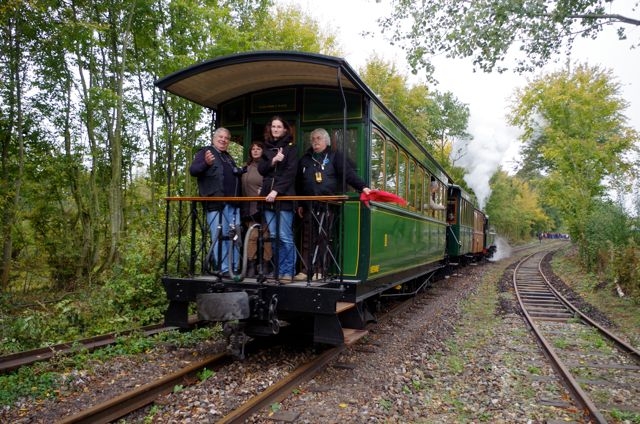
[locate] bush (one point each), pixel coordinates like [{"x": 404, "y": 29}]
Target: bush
[
  {"x": 605, "y": 231},
  {"x": 627, "y": 269},
  {"x": 134, "y": 290},
  {"x": 131, "y": 296}
]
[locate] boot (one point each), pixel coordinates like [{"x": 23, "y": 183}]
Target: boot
[
  {"x": 267, "y": 268},
  {"x": 251, "y": 268}
]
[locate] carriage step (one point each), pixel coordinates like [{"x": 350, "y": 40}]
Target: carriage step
[
  {"x": 351, "y": 335},
  {"x": 343, "y": 306}
]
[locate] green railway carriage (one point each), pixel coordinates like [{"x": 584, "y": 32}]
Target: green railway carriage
[
  {"x": 469, "y": 236},
  {"x": 373, "y": 249}
]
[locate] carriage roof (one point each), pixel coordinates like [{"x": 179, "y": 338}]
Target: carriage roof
[
  {"x": 215, "y": 81},
  {"x": 237, "y": 74}
]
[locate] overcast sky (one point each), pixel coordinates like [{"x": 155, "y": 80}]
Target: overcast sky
[{"x": 487, "y": 95}]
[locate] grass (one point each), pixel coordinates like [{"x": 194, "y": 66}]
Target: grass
[
  {"x": 623, "y": 311},
  {"x": 44, "y": 380},
  {"x": 478, "y": 323}
]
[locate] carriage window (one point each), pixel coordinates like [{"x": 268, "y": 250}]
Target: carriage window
[
  {"x": 350, "y": 148},
  {"x": 391, "y": 168},
  {"x": 417, "y": 178},
  {"x": 411, "y": 189},
  {"x": 403, "y": 177},
  {"x": 377, "y": 160},
  {"x": 236, "y": 148},
  {"x": 436, "y": 198}
]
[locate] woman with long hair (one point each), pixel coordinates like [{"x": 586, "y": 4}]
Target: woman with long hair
[{"x": 279, "y": 167}]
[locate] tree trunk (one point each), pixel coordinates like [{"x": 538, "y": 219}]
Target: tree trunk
[{"x": 13, "y": 196}]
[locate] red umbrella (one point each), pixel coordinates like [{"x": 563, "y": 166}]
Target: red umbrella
[{"x": 381, "y": 196}]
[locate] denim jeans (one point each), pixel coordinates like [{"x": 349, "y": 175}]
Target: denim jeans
[
  {"x": 284, "y": 248},
  {"x": 230, "y": 215}
]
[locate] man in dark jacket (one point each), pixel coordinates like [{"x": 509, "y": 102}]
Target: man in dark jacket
[
  {"x": 218, "y": 176},
  {"x": 320, "y": 173}
]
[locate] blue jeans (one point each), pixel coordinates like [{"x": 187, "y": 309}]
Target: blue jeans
[
  {"x": 284, "y": 248},
  {"x": 229, "y": 215}
]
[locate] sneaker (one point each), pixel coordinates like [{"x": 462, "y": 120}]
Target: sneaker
[
  {"x": 301, "y": 277},
  {"x": 317, "y": 276},
  {"x": 285, "y": 279}
]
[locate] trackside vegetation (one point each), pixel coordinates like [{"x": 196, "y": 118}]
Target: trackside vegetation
[{"x": 86, "y": 140}]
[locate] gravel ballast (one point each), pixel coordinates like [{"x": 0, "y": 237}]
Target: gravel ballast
[{"x": 461, "y": 354}]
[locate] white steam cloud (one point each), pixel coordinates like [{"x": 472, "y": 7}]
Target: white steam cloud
[{"x": 481, "y": 158}]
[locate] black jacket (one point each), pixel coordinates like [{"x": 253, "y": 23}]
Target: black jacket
[
  {"x": 321, "y": 174},
  {"x": 217, "y": 179},
  {"x": 281, "y": 176}
]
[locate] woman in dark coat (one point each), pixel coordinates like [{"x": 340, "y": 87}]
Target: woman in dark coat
[{"x": 279, "y": 167}]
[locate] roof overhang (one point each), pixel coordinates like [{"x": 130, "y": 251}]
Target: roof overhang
[{"x": 217, "y": 80}]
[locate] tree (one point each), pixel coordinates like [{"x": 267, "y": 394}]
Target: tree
[
  {"x": 16, "y": 43},
  {"x": 575, "y": 119},
  {"x": 89, "y": 115},
  {"x": 449, "y": 121},
  {"x": 487, "y": 30},
  {"x": 290, "y": 29},
  {"x": 514, "y": 208},
  {"x": 434, "y": 118}
]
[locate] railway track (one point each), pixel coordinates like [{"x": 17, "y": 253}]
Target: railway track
[
  {"x": 600, "y": 370},
  {"x": 210, "y": 396},
  {"x": 305, "y": 368},
  {"x": 14, "y": 361},
  {"x": 139, "y": 397},
  {"x": 112, "y": 409}
]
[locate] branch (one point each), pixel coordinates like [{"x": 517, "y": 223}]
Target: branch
[{"x": 613, "y": 17}]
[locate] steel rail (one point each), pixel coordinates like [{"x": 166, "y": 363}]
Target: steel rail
[
  {"x": 578, "y": 394},
  {"x": 128, "y": 402},
  {"x": 618, "y": 341},
  {"x": 282, "y": 388},
  {"x": 16, "y": 360}
]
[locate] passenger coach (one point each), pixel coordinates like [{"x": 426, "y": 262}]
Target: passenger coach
[
  {"x": 469, "y": 236},
  {"x": 375, "y": 249}
]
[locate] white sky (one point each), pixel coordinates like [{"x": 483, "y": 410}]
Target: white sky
[{"x": 487, "y": 95}]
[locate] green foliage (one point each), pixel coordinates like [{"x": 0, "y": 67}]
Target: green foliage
[
  {"x": 135, "y": 285},
  {"x": 626, "y": 416},
  {"x": 449, "y": 119},
  {"x": 386, "y": 404},
  {"x": 606, "y": 229},
  {"x": 434, "y": 118},
  {"x": 291, "y": 29},
  {"x": 205, "y": 374},
  {"x": 132, "y": 296},
  {"x": 33, "y": 382},
  {"x": 48, "y": 324},
  {"x": 43, "y": 379},
  {"x": 514, "y": 209},
  {"x": 575, "y": 120},
  {"x": 486, "y": 30},
  {"x": 153, "y": 411},
  {"x": 626, "y": 266},
  {"x": 275, "y": 407},
  {"x": 183, "y": 339},
  {"x": 456, "y": 364}
]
